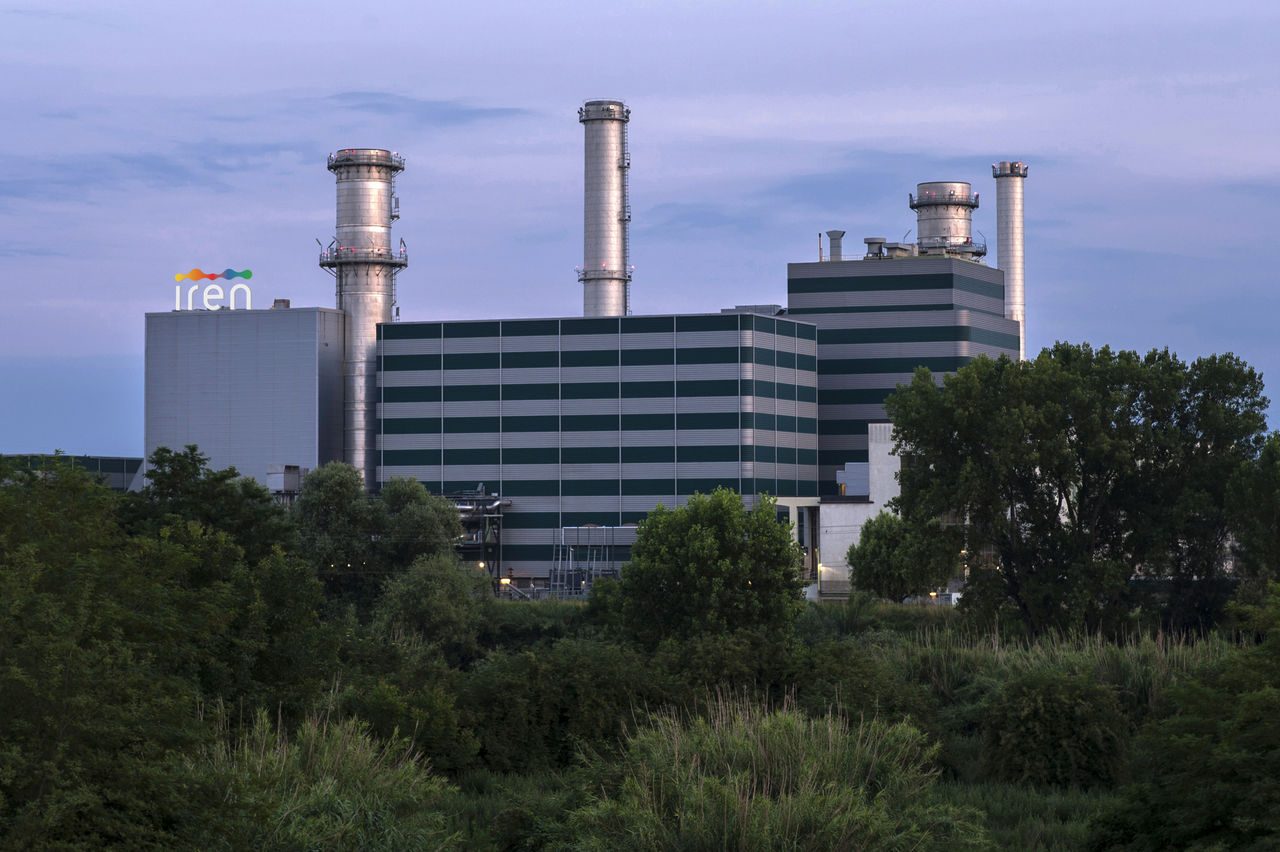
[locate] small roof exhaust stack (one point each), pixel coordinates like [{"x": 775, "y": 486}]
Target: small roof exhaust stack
[
  {"x": 875, "y": 246},
  {"x": 836, "y": 245}
]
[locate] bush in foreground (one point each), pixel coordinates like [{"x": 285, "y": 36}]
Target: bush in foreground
[
  {"x": 1048, "y": 727},
  {"x": 749, "y": 778},
  {"x": 331, "y": 786}
]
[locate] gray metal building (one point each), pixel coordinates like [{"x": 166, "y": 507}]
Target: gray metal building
[
  {"x": 253, "y": 389},
  {"x": 119, "y": 473},
  {"x": 591, "y": 422}
]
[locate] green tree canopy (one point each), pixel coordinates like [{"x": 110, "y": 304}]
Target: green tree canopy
[
  {"x": 1077, "y": 471},
  {"x": 1254, "y": 501},
  {"x": 894, "y": 559},
  {"x": 181, "y": 487},
  {"x": 711, "y": 566},
  {"x": 356, "y": 541}
]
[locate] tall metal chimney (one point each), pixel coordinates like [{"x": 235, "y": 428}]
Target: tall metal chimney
[
  {"x": 365, "y": 265},
  {"x": 1009, "y": 179},
  {"x": 837, "y": 250},
  {"x": 606, "y": 260}
]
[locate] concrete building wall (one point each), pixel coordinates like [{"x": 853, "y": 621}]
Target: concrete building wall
[
  {"x": 841, "y": 519},
  {"x": 249, "y": 388},
  {"x": 596, "y": 421}
]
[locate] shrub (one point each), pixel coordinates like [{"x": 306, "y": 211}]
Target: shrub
[
  {"x": 332, "y": 786},
  {"x": 749, "y": 778},
  {"x": 1048, "y": 727},
  {"x": 1204, "y": 775},
  {"x": 537, "y": 709}
]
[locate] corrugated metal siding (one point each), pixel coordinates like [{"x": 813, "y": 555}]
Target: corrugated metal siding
[{"x": 721, "y": 446}]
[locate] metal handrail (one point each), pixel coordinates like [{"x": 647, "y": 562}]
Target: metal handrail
[
  {"x": 349, "y": 254},
  {"x": 360, "y": 157},
  {"x": 944, "y": 242},
  {"x": 585, "y": 274},
  {"x": 966, "y": 199}
]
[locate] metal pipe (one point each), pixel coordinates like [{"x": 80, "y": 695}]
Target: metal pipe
[
  {"x": 606, "y": 270},
  {"x": 837, "y": 251},
  {"x": 365, "y": 267},
  {"x": 1010, "y": 176}
]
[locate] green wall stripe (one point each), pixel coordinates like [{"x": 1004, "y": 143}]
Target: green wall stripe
[{"x": 919, "y": 334}]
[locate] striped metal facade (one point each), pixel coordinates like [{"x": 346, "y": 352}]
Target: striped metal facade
[
  {"x": 877, "y": 321},
  {"x": 582, "y": 421}
]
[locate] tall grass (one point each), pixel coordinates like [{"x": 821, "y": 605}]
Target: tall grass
[
  {"x": 743, "y": 776},
  {"x": 1031, "y": 819},
  {"x": 1140, "y": 669},
  {"x": 331, "y": 785}
]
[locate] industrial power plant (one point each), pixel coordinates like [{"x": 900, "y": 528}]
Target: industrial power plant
[{"x": 555, "y": 435}]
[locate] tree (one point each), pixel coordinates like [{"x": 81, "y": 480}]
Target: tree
[
  {"x": 1254, "y": 504},
  {"x": 711, "y": 566},
  {"x": 1077, "y": 471},
  {"x": 894, "y": 559},
  {"x": 439, "y": 601},
  {"x": 356, "y": 541},
  {"x": 182, "y": 487},
  {"x": 413, "y": 523},
  {"x": 98, "y": 645},
  {"x": 1213, "y": 428}
]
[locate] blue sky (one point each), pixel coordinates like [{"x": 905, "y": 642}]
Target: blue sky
[{"x": 143, "y": 139}]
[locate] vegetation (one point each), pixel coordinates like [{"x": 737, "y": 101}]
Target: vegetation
[
  {"x": 894, "y": 559},
  {"x": 1067, "y": 477},
  {"x": 195, "y": 667}
]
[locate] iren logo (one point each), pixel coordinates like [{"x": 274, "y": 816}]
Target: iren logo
[{"x": 213, "y": 294}]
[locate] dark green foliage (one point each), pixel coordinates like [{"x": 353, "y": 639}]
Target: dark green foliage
[
  {"x": 356, "y": 542},
  {"x": 507, "y": 812},
  {"x": 535, "y": 710},
  {"x": 441, "y": 602},
  {"x": 1076, "y": 469},
  {"x": 710, "y": 567},
  {"x": 412, "y": 523},
  {"x": 93, "y": 649},
  {"x": 862, "y": 612},
  {"x": 1254, "y": 501},
  {"x": 336, "y": 524},
  {"x": 1046, "y": 727},
  {"x": 1021, "y": 817},
  {"x": 181, "y": 488},
  {"x": 161, "y": 688},
  {"x": 329, "y": 786},
  {"x": 515, "y": 625},
  {"x": 745, "y": 778},
  {"x": 1207, "y": 774},
  {"x": 893, "y": 559}
]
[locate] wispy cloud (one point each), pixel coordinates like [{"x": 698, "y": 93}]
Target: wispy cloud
[{"x": 418, "y": 110}]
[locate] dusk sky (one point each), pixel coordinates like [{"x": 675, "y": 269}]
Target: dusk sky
[{"x": 144, "y": 139}]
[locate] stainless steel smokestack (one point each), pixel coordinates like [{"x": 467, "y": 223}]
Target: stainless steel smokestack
[
  {"x": 365, "y": 266},
  {"x": 944, "y": 218},
  {"x": 1009, "y": 179},
  {"x": 606, "y": 270},
  {"x": 837, "y": 250}
]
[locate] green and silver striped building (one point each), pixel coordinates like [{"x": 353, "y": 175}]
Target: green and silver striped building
[
  {"x": 879, "y": 318},
  {"x": 584, "y": 422}
]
